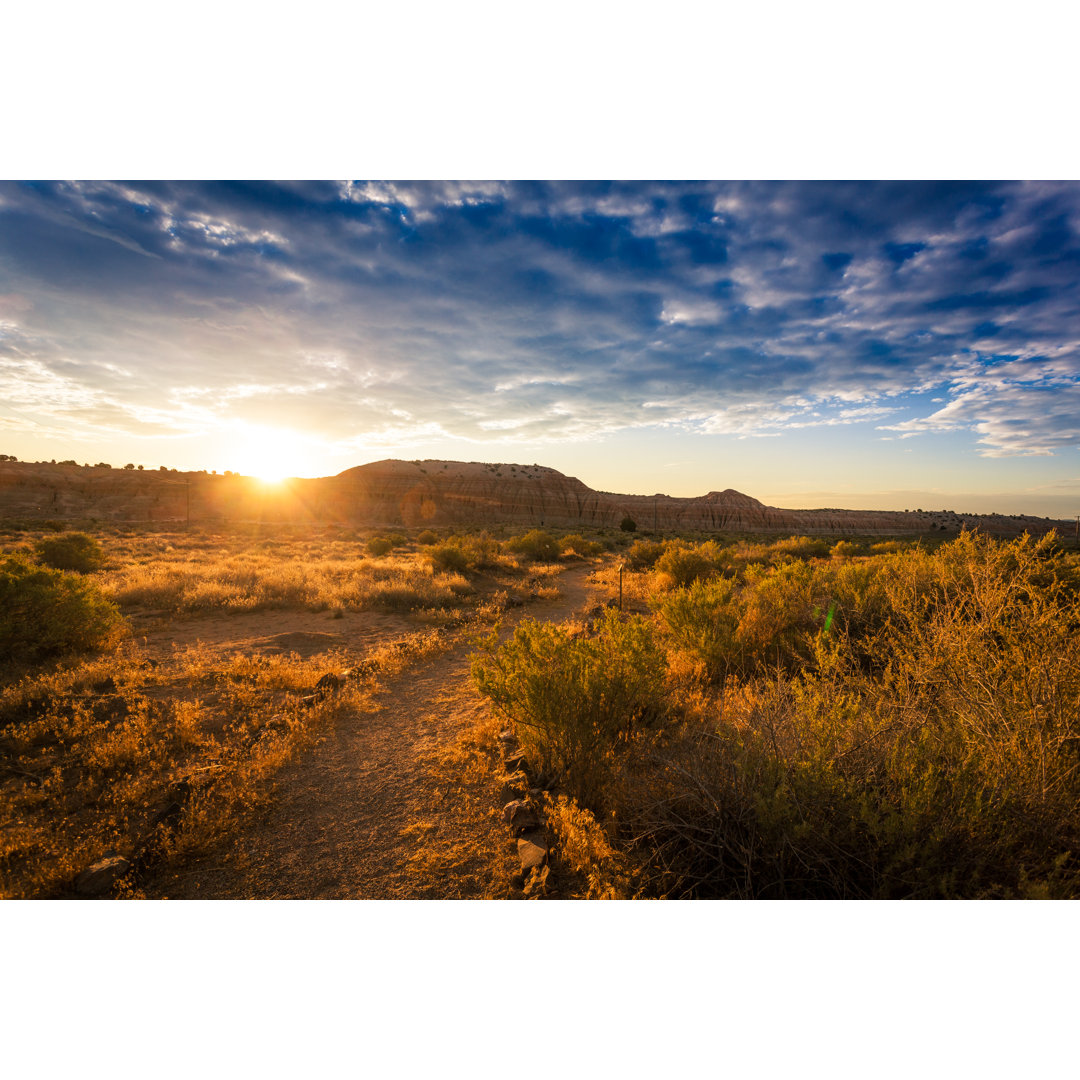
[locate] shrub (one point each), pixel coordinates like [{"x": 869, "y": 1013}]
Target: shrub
[
  {"x": 681, "y": 564},
  {"x": 628, "y": 524},
  {"x": 74, "y": 551},
  {"x": 448, "y": 559},
  {"x": 800, "y": 547},
  {"x": 535, "y": 545},
  {"x": 576, "y": 544},
  {"x": 379, "y": 545},
  {"x": 703, "y": 620},
  {"x": 573, "y": 699},
  {"x": 643, "y": 555},
  {"x": 49, "y": 613},
  {"x": 844, "y": 549},
  {"x": 427, "y": 538}
]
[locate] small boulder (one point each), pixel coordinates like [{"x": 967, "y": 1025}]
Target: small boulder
[
  {"x": 102, "y": 876},
  {"x": 514, "y": 762},
  {"x": 520, "y": 815},
  {"x": 532, "y": 850},
  {"x": 327, "y": 685}
]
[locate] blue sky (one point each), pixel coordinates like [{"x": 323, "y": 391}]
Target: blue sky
[{"x": 819, "y": 343}]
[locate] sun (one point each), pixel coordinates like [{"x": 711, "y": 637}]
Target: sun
[{"x": 269, "y": 454}]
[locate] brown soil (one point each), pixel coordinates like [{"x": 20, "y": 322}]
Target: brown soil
[{"x": 372, "y": 812}]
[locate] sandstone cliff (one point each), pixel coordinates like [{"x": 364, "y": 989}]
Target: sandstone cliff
[{"x": 438, "y": 493}]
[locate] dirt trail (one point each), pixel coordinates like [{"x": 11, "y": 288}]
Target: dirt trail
[{"x": 336, "y": 827}]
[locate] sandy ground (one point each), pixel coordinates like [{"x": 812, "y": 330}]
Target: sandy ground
[{"x": 363, "y": 816}]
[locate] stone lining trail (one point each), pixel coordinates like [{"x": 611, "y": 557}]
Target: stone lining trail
[{"x": 336, "y": 826}]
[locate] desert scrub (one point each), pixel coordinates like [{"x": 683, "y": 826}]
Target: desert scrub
[
  {"x": 643, "y": 554},
  {"x": 574, "y": 698},
  {"x": 251, "y": 581},
  {"x": 535, "y": 545},
  {"x": 926, "y": 745},
  {"x": 575, "y": 545},
  {"x": 88, "y": 753},
  {"x": 588, "y": 867},
  {"x": 448, "y": 559},
  {"x": 48, "y": 613},
  {"x": 72, "y": 551},
  {"x": 379, "y": 545},
  {"x": 680, "y": 563}
]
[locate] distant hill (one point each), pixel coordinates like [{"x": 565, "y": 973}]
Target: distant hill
[{"x": 418, "y": 493}]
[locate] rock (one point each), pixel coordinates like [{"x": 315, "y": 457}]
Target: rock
[
  {"x": 521, "y": 815},
  {"x": 507, "y": 736},
  {"x": 536, "y": 887},
  {"x": 516, "y": 787},
  {"x": 532, "y": 850},
  {"x": 327, "y": 685},
  {"x": 102, "y": 876},
  {"x": 514, "y": 761}
]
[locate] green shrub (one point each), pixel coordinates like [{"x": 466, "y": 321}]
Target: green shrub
[
  {"x": 643, "y": 555},
  {"x": 576, "y": 544},
  {"x": 536, "y": 545},
  {"x": 448, "y": 559},
  {"x": 799, "y": 547},
  {"x": 704, "y": 621},
  {"x": 73, "y": 551},
  {"x": 50, "y": 613},
  {"x": 379, "y": 545},
  {"x": 427, "y": 538},
  {"x": 683, "y": 563},
  {"x": 573, "y": 699},
  {"x": 628, "y": 524},
  {"x": 844, "y": 549}
]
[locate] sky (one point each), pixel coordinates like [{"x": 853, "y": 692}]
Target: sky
[{"x": 864, "y": 344}]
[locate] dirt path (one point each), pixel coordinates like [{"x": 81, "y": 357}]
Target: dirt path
[{"x": 362, "y": 816}]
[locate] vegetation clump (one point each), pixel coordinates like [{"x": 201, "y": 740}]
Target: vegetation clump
[
  {"x": 575, "y": 698},
  {"x": 902, "y": 725},
  {"x": 48, "y": 613},
  {"x": 72, "y": 551},
  {"x": 535, "y": 545},
  {"x": 575, "y": 545},
  {"x": 379, "y": 545}
]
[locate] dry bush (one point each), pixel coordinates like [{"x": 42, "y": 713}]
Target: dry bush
[
  {"x": 575, "y": 545},
  {"x": 72, "y": 551},
  {"x": 905, "y": 725},
  {"x": 535, "y": 546},
  {"x": 572, "y": 698},
  {"x": 47, "y": 613},
  {"x": 587, "y": 866},
  {"x": 250, "y": 581},
  {"x": 681, "y": 564},
  {"x": 88, "y": 754}
]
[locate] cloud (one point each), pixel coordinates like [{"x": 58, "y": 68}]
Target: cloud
[{"x": 500, "y": 311}]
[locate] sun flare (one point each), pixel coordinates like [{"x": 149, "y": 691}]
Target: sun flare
[{"x": 270, "y": 454}]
